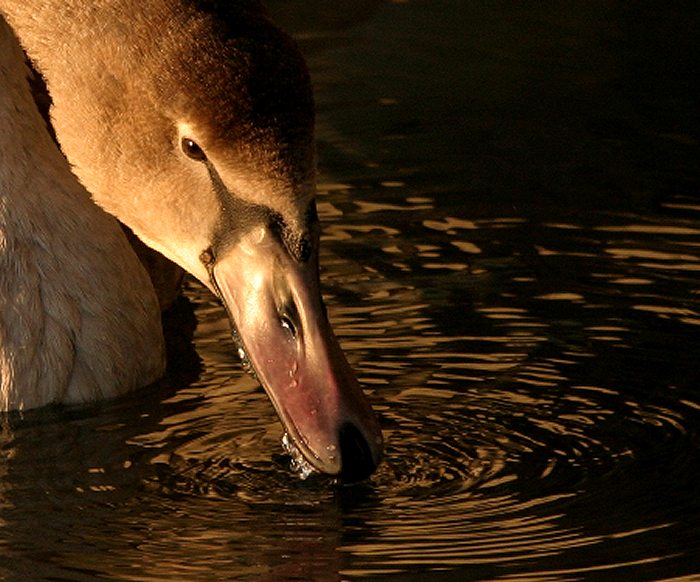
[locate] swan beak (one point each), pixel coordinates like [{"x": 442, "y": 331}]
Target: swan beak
[{"x": 279, "y": 317}]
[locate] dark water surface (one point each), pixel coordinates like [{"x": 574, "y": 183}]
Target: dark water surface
[{"x": 512, "y": 262}]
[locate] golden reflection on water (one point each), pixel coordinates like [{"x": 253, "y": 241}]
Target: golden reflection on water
[{"x": 475, "y": 409}]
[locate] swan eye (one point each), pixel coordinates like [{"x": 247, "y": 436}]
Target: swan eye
[{"x": 192, "y": 150}]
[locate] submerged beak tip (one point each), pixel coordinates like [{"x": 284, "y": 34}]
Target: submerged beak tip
[
  {"x": 353, "y": 457},
  {"x": 359, "y": 458}
]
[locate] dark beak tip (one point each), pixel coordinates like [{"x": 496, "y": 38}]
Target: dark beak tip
[{"x": 357, "y": 461}]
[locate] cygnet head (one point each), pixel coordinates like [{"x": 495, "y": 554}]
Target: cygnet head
[{"x": 192, "y": 122}]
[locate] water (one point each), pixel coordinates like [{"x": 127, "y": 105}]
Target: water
[{"x": 511, "y": 256}]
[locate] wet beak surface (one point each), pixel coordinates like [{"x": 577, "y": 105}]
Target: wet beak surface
[{"x": 278, "y": 313}]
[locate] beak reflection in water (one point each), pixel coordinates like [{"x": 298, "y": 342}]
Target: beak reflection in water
[{"x": 274, "y": 301}]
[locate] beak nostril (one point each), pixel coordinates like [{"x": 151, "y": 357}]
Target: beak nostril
[
  {"x": 356, "y": 456},
  {"x": 287, "y": 324}
]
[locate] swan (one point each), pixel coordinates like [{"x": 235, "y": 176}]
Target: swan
[{"x": 192, "y": 123}]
